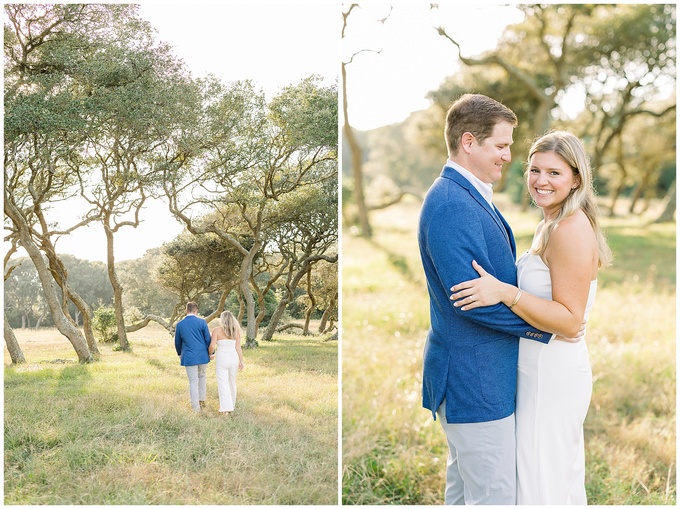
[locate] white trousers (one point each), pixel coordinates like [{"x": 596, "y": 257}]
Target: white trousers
[
  {"x": 481, "y": 468},
  {"x": 197, "y": 385},
  {"x": 226, "y": 368}
]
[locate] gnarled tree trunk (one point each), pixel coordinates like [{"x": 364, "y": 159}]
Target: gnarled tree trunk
[
  {"x": 326, "y": 315},
  {"x": 668, "y": 214},
  {"x": 13, "y": 347},
  {"x": 117, "y": 288},
  {"x": 312, "y": 303},
  {"x": 63, "y": 324},
  {"x": 246, "y": 271}
]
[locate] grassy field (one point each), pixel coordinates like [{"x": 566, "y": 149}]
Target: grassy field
[
  {"x": 394, "y": 453},
  {"x": 120, "y": 431}
]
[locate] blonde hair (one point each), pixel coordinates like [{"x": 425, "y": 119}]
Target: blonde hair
[
  {"x": 570, "y": 148},
  {"x": 230, "y": 325}
]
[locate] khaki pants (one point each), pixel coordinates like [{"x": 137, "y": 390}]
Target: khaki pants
[
  {"x": 197, "y": 385},
  {"x": 481, "y": 467}
]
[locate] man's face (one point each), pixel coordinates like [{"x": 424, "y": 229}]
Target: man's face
[{"x": 487, "y": 158}]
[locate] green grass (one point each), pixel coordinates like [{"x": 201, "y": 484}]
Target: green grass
[
  {"x": 394, "y": 453},
  {"x": 120, "y": 431}
]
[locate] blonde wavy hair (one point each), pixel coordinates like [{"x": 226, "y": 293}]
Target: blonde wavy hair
[
  {"x": 570, "y": 148},
  {"x": 230, "y": 325}
]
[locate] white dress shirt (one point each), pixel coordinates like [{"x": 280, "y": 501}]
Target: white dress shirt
[{"x": 486, "y": 190}]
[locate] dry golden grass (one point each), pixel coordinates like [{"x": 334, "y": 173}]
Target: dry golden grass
[
  {"x": 394, "y": 453},
  {"x": 120, "y": 431}
]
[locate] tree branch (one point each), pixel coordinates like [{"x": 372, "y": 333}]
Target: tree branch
[
  {"x": 497, "y": 60},
  {"x": 145, "y": 322}
]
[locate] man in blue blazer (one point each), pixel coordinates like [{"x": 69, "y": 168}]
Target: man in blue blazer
[
  {"x": 470, "y": 358},
  {"x": 192, "y": 338}
]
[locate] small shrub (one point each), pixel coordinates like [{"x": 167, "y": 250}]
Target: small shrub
[{"x": 104, "y": 324}]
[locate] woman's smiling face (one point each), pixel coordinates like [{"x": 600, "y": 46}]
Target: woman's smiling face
[{"x": 550, "y": 181}]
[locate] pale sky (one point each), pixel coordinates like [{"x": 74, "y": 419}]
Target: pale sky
[
  {"x": 385, "y": 88},
  {"x": 272, "y": 43}
]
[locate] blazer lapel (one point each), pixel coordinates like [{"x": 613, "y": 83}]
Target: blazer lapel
[
  {"x": 452, "y": 174},
  {"x": 508, "y": 233}
]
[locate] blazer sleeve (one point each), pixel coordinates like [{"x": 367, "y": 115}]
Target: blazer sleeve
[
  {"x": 178, "y": 340},
  {"x": 456, "y": 238},
  {"x": 206, "y": 334}
]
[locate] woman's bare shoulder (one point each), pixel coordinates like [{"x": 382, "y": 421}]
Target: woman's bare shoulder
[
  {"x": 573, "y": 238},
  {"x": 574, "y": 227},
  {"x": 218, "y": 331}
]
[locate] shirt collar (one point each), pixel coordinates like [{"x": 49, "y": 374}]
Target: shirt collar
[{"x": 486, "y": 190}]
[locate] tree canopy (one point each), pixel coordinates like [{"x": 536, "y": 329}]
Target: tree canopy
[
  {"x": 602, "y": 71},
  {"x": 97, "y": 110}
]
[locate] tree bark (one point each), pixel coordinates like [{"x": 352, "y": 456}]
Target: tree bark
[
  {"x": 268, "y": 333},
  {"x": 64, "y": 325},
  {"x": 614, "y": 198},
  {"x": 326, "y": 315},
  {"x": 621, "y": 161},
  {"x": 145, "y": 322},
  {"x": 59, "y": 274},
  {"x": 246, "y": 271},
  {"x": 241, "y": 307},
  {"x": 260, "y": 303},
  {"x": 13, "y": 347},
  {"x": 286, "y": 299},
  {"x": 117, "y": 287},
  {"x": 292, "y": 282},
  {"x": 668, "y": 214},
  {"x": 220, "y": 306},
  {"x": 290, "y": 326},
  {"x": 312, "y": 303},
  {"x": 641, "y": 188},
  {"x": 357, "y": 172}
]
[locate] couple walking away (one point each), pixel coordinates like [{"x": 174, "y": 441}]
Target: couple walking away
[
  {"x": 506, "y": 366},
  {"x": 196, "y": 345}
]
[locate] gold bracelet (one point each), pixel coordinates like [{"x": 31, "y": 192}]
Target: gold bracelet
[{"x": 519, "y": 294}]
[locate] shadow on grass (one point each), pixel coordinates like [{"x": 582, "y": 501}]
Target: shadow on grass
[
  {"x": 158, "y": 365},
  {"x": 647, "y": 256},
  {"x": 54, "y": 438},
  {"x": 399, "y": 262},
  {"x": 293, "y": 355},
  {"x": 73, "y": 379}
]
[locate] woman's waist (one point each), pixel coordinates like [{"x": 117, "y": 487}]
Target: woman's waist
[{"x": 531, "y": 351}]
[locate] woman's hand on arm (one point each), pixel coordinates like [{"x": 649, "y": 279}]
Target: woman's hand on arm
[
  {"x": 486, "y": 290},
  {"x": 579, "y": 336},
  {"x": 571, "y": 258}
]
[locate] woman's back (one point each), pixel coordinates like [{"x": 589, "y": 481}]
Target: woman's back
[{"x": 218, "y": 333}]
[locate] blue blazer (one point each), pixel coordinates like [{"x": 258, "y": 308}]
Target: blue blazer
[
  {"x": 470, "y": 357},
  {"x": 192, "y": 339}
]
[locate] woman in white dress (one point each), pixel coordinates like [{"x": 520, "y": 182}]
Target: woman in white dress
[
  {"x": 225, "y": 339},
  {"x": 557, "y": 280}
]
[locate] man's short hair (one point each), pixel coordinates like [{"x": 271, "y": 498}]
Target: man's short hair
[
  {"x": 192, "y": 307},
  {"x": 476, "y": 114}
]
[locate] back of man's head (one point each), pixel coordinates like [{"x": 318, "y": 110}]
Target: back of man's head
[{"x": 192, "y": 308}]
